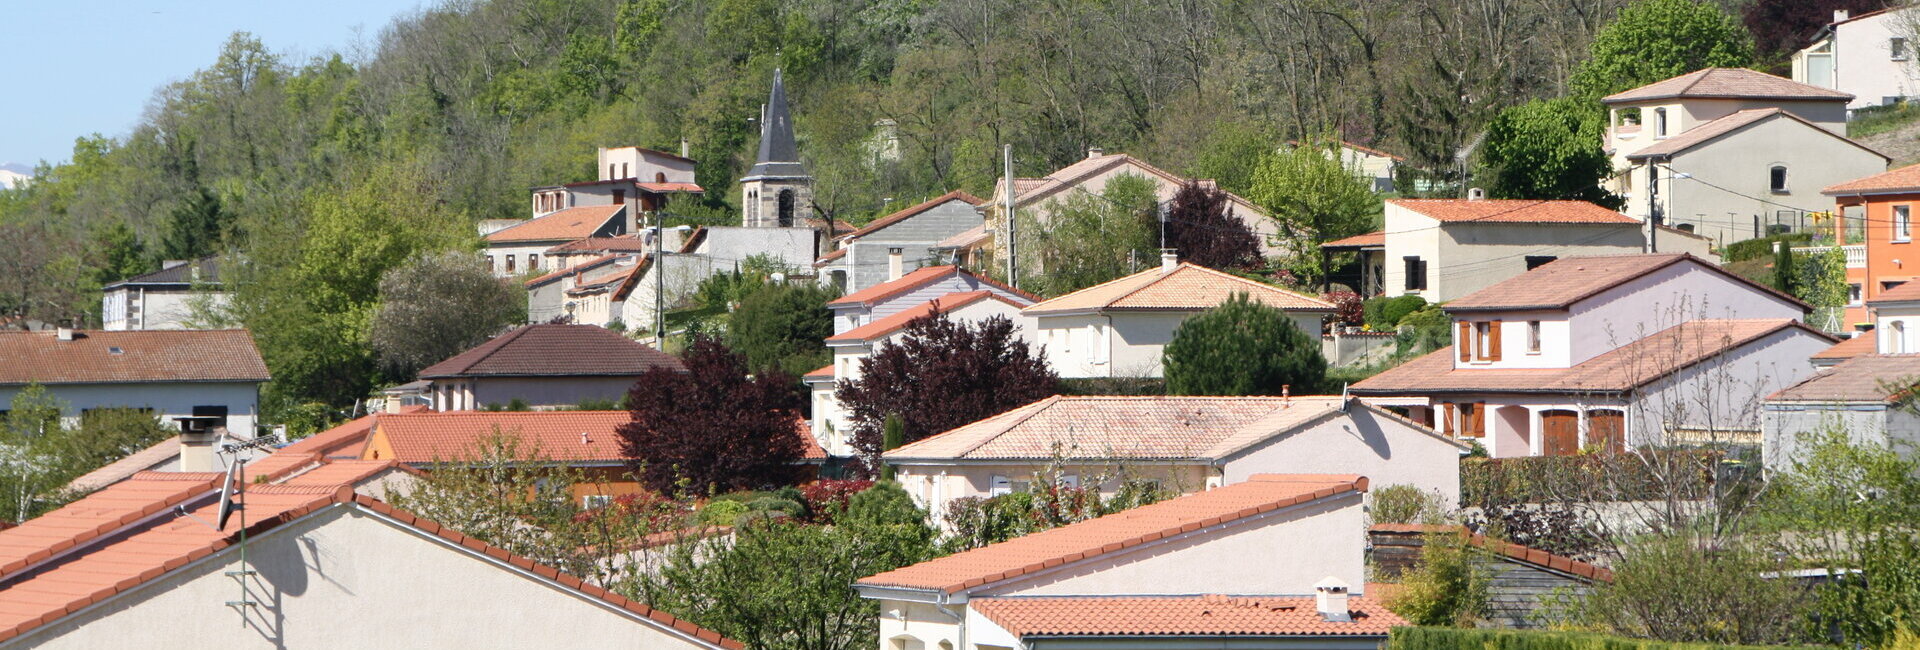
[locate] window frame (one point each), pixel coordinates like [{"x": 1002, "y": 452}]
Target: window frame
[
  {"x": 1660, "y": 122},
  {"x": 1533, "y": 337},
  {"x": 1416, "y": 271},
  {"x": 1482, "y": 340},
  {"x": 1902, "y": 224},
  {"x": 1898, "y": 48},
  {"x": 1777, "y": 179}
]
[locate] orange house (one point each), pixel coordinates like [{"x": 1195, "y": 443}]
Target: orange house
[{"x": 1887, "y": 201}]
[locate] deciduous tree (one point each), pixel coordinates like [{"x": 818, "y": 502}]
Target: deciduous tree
[
  {"x": 717, "y": 427},
  {"x": 1547, "y": 149},
  {"x": 1202, "y": 227},
  {"x": 1088, "y": 238},
  {"x": 438, "y": 305},
  {"x": 1315, "y": 199},
  {"x": 1653, "y": 40}
]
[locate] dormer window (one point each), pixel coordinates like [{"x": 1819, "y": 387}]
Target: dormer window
[{"x": 1659, "y": 122}]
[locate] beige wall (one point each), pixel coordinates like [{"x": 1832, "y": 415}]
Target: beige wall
[
  {"x": 934, "y": 485},
  {"x": 1121, "y": 344},
  {"x": 1474, "y": 256},
  {"x": 1386, "y": 450},
  {"x": 349, "y": 580}
]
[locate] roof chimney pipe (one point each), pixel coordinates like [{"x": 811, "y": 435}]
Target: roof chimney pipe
[
  {"x": 1095, "y": 152},
  {"x": 1330, "y": 598},
  {"x": 1169, "y": 260},
  {"x": 896, "y": 263},
  {"x": 1840, "y": 15},
  {"x": 684, "y": 148},
  {"x": 1476, "y": 194}
]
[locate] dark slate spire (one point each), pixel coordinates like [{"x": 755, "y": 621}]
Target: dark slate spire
[{"x": 779, "y": 158}]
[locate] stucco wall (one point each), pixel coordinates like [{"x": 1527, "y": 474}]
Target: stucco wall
[
  {"x": 846, "y": 317},
  {"x": 867, "y": 256},
  {"x": 1122, "y": 344},
  {"x": 1662, "y": 299},
  {"x": 1863, "y": 64},
  {"x": 1786, "y": 428},
  {"x": 1412, "y": 234},
  {"x": 339, "y": 580},
  {"x": 1387, "y": 451},
  {"x": 550, "y": 391},
  {"x": 1556, "y": 340},
  {"x": 1725, "y": 393},
  {"x": 1474, "y": 256},
  {"x": 1730, "y": 182},
  {"x": 168, "y": 401}
]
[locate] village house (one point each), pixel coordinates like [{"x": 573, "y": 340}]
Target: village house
[
  {"x": 310, "y": 562},
  {"x": 1154, "y": 577},
  {"x": 1860, "y": 399},
  {"x": 1878, "y": 212},
  {"x": 912, "y": 290},
  {"x": 1607, "y": 353},
  {"x": 1372, "y": 166},
  {"x": 1869, "y": 56},
  {"x": 1119, "y": 328},
  {"x": 165, "y": 299},
  {"x": 893, "y": 245},
  {"x": 830, "y": 424},
  {"x": 634, "y": 182},
  {"x": 1525, "y": 587},
  {"x": 210, "y": 377},
  {"x": 543, "y": 366},
  {"x": 1182, "y": 444},
  {"x": 1729, "y": 153},
  {"x": 516, "y": 250}
]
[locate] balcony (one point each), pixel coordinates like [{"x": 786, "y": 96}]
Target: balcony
[{"x": 1856, "y": 253}]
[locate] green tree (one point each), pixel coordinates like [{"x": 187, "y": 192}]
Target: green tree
[
  {"x": 1449, "y": 587},
  {"x": 121, "y": 254},
  {"x": 892, "y": 434},
  {"x": 884, "y": 504},
  {"x": 1786, "y": 275},
  {"x": 1088, "y": 238},
  {"x": 782, "y": 326},
  {"x": 1653, "y": 40},
  {"x": 195, "y": 227},
  {"x": 1669, "y": 587},
  {"x": 437, "y": 305},
  {"x": 40, "y": 454},
  {"x": 1315, "y": 199},
  {"x": 1242, "y": 347},
  {"x": 1547, "y": 149},
  {"x": 1823, "y": 284}
]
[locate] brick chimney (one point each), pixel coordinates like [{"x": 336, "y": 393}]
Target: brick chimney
[
  {"x": 1330, "y": 598},
  {"x": 198, "y": 439}
]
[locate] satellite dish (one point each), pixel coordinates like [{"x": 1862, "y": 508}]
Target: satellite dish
[{"x": 230, "y": 490}]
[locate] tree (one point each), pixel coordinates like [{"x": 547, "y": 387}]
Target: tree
[
  {"x": 437, "y": 305},
  {"x": 892, "y": 435},
  {"x": 782, "y": 327},
  {"x": 1781, "y": 27},
  {"x": 1653, "y": 40},
  {"x": 940, "y": 374},
  {"x": 1786, "y": 275},
  {"x": 1315, "y": 199},
  {"x": 1087, "y": 238},
  {"x": 40, "y": 454},
  {"x": 196, "y": 227},
  {"x": 1824, "y": 286},
  {"x": 1669, "y": 587},
  {"x": 717, "y": 427},
  {"x": 1201, "y": 226},
  {"x": 1449, "y": 587},
  {"x": 121, "y": 254},
  {"x": 1547, "y": 149},
  {"x": 1242, "y": 347}
]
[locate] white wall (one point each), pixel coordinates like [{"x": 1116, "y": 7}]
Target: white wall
[
  {"x": 168, "y": 400},
  {"x": 1122, "y": 344},
  {"x": 1388, "y": 451},
  {"x": 1723, "y": 394},
  {"x": 1410, "y": 233},
  {"x": 1474, "y": 256},
  {"x": 1786, "y": 428},
  {"x": 1897, "y": 329},
  {"x": 1863, "y": 62},
  {"x": 1656, "y": 301},
  {"x": 1556, "y": 340}
]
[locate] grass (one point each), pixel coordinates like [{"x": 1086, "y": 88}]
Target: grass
[{"x": 1881, "y": 119}]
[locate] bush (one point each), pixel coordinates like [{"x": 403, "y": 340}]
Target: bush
[
  {"x": 1448, "y": 588},
  {"x": 1672, "y": 588},
  {"x": 722, "y": 513},
  {"x": 883, "y": 504},
  {"x": 827, "y": 498},
  {"x": 1113, "y": 386},
  {"x": 1383, "y": 314},
  {"x": 1452, "y": 638},
  {"x": 1242, "y": 347},
  {"x": 1349, "y": 309},
  {"x": 771, "y": 504},
  {"x": 1753, "y": 249},
  {"x": 1486, "y": 482},
  {"x": 1423, "y": 330},
  {"x": 1404, "y": 504}
]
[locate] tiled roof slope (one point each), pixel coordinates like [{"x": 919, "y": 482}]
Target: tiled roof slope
[
  {"x": 919, "y": 277},
  {"x": 1375, "y": 238},
  {"x": 895, "y": 322},
  {"x": 1907, "y": 292},
  {"x": 1509, "y": 550},
  {"x": 209, "y": 268},
  {"x": 1512, "y": 211},
  {"x": 1705, "y": 133},
  {"x": 1165, "y": 616},
  {"x": 1188, "y": 287},
  {"x": 1870, "y": 378},
  {"x": 1902, "y": 180},
  {"x": 908, "y": 213},
  {"x": 548, "y": 350},
  {"x": 568, "y": 436},
  {"x": 1116, "y": 532},
  {"x": 1727, "y": 83},
  {"x": 619, "y": 244},
  {"x": 1850, "y": 348},
  {"x": 1624, "y": 368},
  {"x": 1561, "y": 283},
  {"x": 134, "y": 463},
  {"x": 565, "y": 225},
  {"x": 142, "y": 356}
]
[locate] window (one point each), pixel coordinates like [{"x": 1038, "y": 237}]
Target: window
[
  {"x": 1897, "y": 337},
  {"x": 1536, "y": 261},
  {"x": 1854, "y": 294},
  {"x": 1416, "y": 273},
  {"x": 1533, "y": 337},
  {"x": 659, "y": 177},
  {"x": 1659, "y": 122},
  {"x": 509, "y": 263},
  {"x": 625, "y": 172},
  {"x": 1897, "y": 48},
  {"x": 592, "y": 501},
  {"x": 785, "y": 207},
  {"x": 609, "y": 172},
  {"x": 1777, "y": 179},
  {"x": 1000, "y": 486},
  {"x": 1481, "y": 340},
  {"x": 533, "y": 261},
  {"x": 1902, "y": 223},
  {"x": 619, "y": 197},
  {"x": 490, "y": 266}
]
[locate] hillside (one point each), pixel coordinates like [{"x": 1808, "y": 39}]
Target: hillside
[{"x": 1899, "y": 141}]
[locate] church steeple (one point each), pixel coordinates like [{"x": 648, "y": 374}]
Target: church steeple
[{"x": 776, "y": 192}]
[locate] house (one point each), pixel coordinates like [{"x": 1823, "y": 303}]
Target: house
[
  {"x": 1897, "y": 320},
  {"x": 1729, "y": 152},
  {"x": 1860, "y": 398},
  {"x": 639, "y": 179},
  {"x": 1183, "y": 444},
  {"x": 516, "y": 250},
  {"x": 830, "y": 424},
  {"x": 164, "y": 299},
  {"x": 1869, "y": 56},
  {"x": 892, "y": 245},
  {"x": 1118, "y": 328},
  {"x": 308, "y": 563},
  {"x": 1372, "y": 166},
  {"x": 1441, "y": 249},
  {"x": 1878, "y": 211},
  {"x": 186, "y": 452},
  {"x": 1157, "y": 576},
  {"x": 1525, "y": 587},
  {"x": 702, "y": 253},
  {"x": 1607, "y": 352},
  {"x": 911, "y": 290},
  {"x": 544, "y": 365},
  {"x": 210, "y": 376}
]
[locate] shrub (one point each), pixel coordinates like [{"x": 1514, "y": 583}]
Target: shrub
[
  {"x": 1448, "y": 588},
  {"x": 883, "y": 504},
  {"x": 1113, "y": 386},
  {"x": 722, "y": 513},
  {"x": 827, "y": 498},
  {"x": 1488, "y": 482},
  {"x": 1757, "y": 248},
  {"x": 1453, "y": 638},
  {"x": 1384, "y": 313},
  {"x": 770, "y": 504},
  {"x": 1242, "y": 347},
  {"x": 1404, "y": 504},
  {"x": 1423, "y": 330},
  {"x": 1669, "y": 587},
  {"x": 1347, "y": 306}
]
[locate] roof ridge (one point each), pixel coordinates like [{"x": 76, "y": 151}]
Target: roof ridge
[{"x": 1254, "y": 283}]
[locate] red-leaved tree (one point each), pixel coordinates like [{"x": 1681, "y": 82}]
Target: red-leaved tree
[
  {"x": 713, "y": 425},
  {"x": 1201, "y": 226},
  {"x": 941, "y": 374}
]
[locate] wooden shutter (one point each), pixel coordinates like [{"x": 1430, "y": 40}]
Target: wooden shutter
[
  {"x": 1479, "y": 426},
  {"x": 1466, "y": 342},
  {"x": 1493, "y": 341},
  {"x": 1446, "y": 419}
]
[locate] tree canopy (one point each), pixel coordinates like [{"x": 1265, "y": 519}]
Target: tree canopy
[
  {"x": 1653, "y": 40},
  {"x": 1548, "y": 149},
  {"x": 437, "y": 305},
  {"x": 1315, "y": 199},
  {"x": 1242, "y": 347},
  {"x": 782, "y": 327},
  {"x": 716, "y": 427},
  {"x": 1202, "y": 228},
  {"x": 1087, "y": 238}
]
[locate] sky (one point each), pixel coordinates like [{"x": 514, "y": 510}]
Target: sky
[{"x": 70, "y": 68}]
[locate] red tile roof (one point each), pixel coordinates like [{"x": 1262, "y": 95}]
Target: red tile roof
[
  {"x": 879, "y": 329},
  {"x": 157, "y": 454},
  {"x": 1712, "y": 130},
  {"x": 1905, "y": 180},
  {"x": 548, "y": 350},
  {"x": 1868, "y": 378},
  {"x": 1511, "y": 551},
  {"x": 149, "y": 356},
  {"x": 668, "y": 188},
  {"x": 829, "y": 257},
  {"x": 823, "y": 372},
  {"x": 1375, "y": 238},
  {"x": 619, "y": 244},
  {"x": 1188, "y": 287},
  {"x": 565, "y": 225},
  {"x": 908, "y": 213},
  {"x": 1622, "y": 369},
  {"x": 1116, "y": 532},
  {"x": 566, "y": 436},
  {"x": 1727, "y": 83},
  {"x": 920, "y": 277},
  {"x": 1177, "y": 616},
  {"x": 1850, "y": 348},
  {"x": 347, "y": 472},
  {"x": 575, "y": 269},
  {"x": 1512, "y": 211},
  {"x": 1908, "y": 291},
  {"x": 1561, "y": 283}
]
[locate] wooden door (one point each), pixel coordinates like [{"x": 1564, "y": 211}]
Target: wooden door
[
  {"x": 1560, "y": 433},
  {"x": 1608, "y": 429}
]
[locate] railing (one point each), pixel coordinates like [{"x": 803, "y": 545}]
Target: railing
[{"x": 1856, "y": 253}]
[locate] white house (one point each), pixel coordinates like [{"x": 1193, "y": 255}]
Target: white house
[
  {"x": 211, "y": 375},
  {"x": 830, "y": 425},
  {"x": 518, "y": 250},
  {"x": 1119, "y": 328},
  {"x": 164, "y": 299},
  {"x": 1275, "y": 561},
  {"x": 1896, "y": 314},
  {"x": 1861, "y": 398},
  {"x": 1372, "y": 166},
  {"x": 1607, "y": 352},
  {"x": 898, "y": 243},
  {"x": 1728, "y": 152},
  {"x": 1869, "y": 56},
  {"x": 1179, "y": 443},
  {"x": 911, "y": 290}
]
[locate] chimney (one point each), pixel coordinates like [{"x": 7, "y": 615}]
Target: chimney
[
  {"x": 198, "y": 438},
  {"x": 1476, "y": 194},
  {"x": 1169, "y": 260},
  {"x": 894, "y": 264},
  {"x": 684, "y": 148},
  {"x": 1095, "y": 152},
  {"x": 168, "y": 264},
  {"x": 64, "y": 332},
  {"x": 1330, "y": 598},
  {"x": 393, "y": 404},
  {"x": 1840, "y": 15}
]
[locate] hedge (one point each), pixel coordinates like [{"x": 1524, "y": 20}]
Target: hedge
[
  {"x": 1749, "y": 249},
  {"x": 1499, "y": 481},
  {"x": 1453, "y": 638},
  {"x": 1384, "y": 313}
]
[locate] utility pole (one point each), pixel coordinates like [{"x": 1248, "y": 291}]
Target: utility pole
[
  {"x": 659, "y": 284},
  {"x": 1653, "y": 206},
  {"x": 1006, "y": 162}
]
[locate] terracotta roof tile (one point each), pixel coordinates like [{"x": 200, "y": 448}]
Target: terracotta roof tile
[
  {"x": 1626, "y": 367},
  {"x": 908, "y": 213},
  {"x": 547, "y": 350},
  {"x": 345, "y": 472},
  {"x": 1712, "y": 130},
  {"x": 1869, "y": 378},
  {"x": 1727, "y": 83},
  {"x": 575, "y": 269},
  {"x": 823, "y": 372},
  {"x": 1561, "y": 283},
  {"x": 565, "y": 225},
  {"x": 100, "y": 357},
  {"x": 1508, "y": 550},
  {"x": 1189, "y": 287},
  {"x": 1375, "y": 238},
  {"x": 120, "y": 470},
  {"x": 1175, "y": 616},
  {"x": 1095, "y": 537},
  {"x": 920, "y": 277},
  {"x": 618, "y": 244},
  {"x": 880, "y": 328},
  {"x": 422, "y": 438},
  {"x": 1896, "y": 181},
  {"x": 1908, "y": 291},
  {"x": 1512, "y": 211},
  {"x": 1850, "y": 348}
]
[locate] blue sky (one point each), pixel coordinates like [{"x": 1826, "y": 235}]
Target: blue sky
[{"x": 70, "y": 68}]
